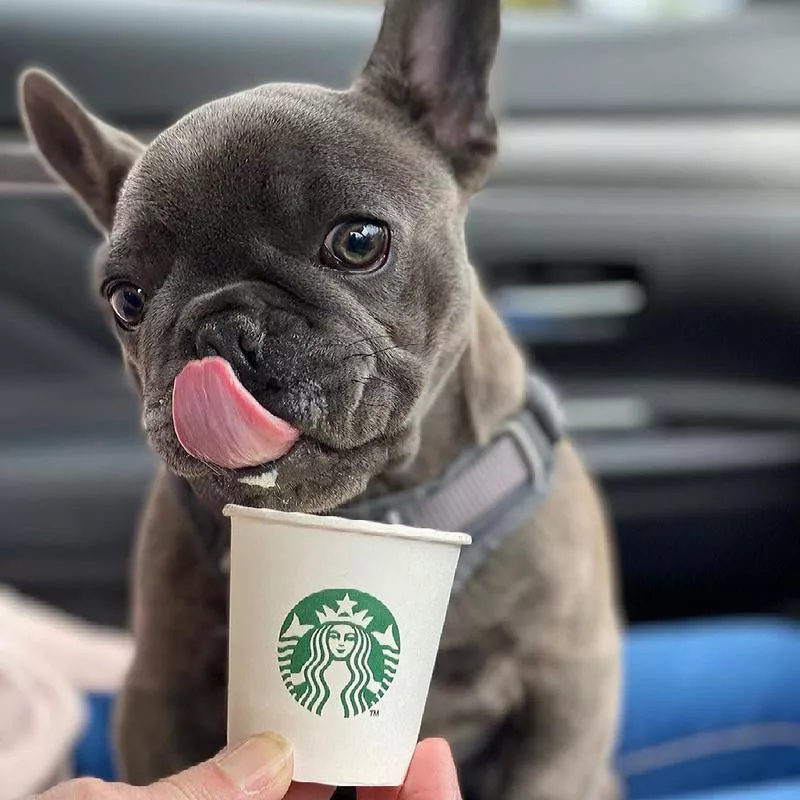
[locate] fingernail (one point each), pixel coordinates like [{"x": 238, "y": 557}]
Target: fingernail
[{"x": 257, "y": 762}]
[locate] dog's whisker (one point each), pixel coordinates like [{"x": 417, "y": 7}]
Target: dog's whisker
[
  {"x": 373, "y": 353},
  {"x": 376, "y": 379},
  {"x": 397, "y": 389},
  {"x": 388, "y": 349},
  {"x": 213, "y": 467},
  {"x": 371, "y": 379},
  {"x": 371, "y": 339},
  {"x": 367, "y": 339}
]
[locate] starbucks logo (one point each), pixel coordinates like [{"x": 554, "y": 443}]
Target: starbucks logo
[{"x": 338, "y": 652}]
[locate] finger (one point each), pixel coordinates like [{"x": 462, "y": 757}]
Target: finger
[
  {"x": 85, "y": 789},
  {"x": 431, "y": 776},
  {"x": 260, "y": 768}
]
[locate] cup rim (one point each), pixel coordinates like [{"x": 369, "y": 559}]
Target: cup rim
[{"x": 343, "y": 525}]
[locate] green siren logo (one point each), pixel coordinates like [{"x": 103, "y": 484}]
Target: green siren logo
[{"x": 338, "y": 652}]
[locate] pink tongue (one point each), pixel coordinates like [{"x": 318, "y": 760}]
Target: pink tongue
[{"x": 217, "y": 420}]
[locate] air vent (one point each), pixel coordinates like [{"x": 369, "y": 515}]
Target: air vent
[{"x": 558, "y": 302}]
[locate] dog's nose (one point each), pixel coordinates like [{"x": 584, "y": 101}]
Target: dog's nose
[{"x": 231, "y": 338}]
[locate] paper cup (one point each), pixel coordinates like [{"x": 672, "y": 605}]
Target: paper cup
[{"x": 334, "y": 628}]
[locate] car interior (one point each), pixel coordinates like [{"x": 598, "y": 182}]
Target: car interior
[{"x": 640, "y": 235}]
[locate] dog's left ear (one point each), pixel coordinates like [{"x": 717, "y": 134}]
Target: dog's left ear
[
  {"x": 433, "y": 59},
  {"x": 89, "y": 156}
]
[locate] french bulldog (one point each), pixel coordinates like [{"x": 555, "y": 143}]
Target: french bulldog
[{"x": 286, "y": 272}]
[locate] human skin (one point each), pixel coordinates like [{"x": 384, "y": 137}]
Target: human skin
[{"x": 260, "y": 768}]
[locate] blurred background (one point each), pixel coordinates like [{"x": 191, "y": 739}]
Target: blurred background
[{"x": 640, "y": 235}]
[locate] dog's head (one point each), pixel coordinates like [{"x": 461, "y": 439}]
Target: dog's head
[{"x": 285, "y": 268}]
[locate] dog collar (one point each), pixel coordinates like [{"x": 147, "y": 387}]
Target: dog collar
[{"x": 487, "y": 492}]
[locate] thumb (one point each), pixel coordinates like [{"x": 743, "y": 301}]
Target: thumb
[{"x": 259, "y": 768}]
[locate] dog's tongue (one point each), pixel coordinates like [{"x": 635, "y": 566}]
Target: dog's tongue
[{"x": 218, "y": 421}]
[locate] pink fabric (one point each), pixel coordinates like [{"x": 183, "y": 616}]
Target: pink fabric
[{"x": 47, "y": 661}]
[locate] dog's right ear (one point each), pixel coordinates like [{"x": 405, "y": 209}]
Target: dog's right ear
[
  {"x": 89, "y": 156},
  {"x": 432, "y": 60}
]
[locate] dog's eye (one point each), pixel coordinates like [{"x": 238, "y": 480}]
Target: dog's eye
[
  {"x": 356, "y": 245},
  {"x": 128, "y": 303}
]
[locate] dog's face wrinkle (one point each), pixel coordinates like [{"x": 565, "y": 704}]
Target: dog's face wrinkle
[
  {"x": 226, "y": 213},
  {"x": 365, "y": 407},
  {"x": 369, "y": 404}
]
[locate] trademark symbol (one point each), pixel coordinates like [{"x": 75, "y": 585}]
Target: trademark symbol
[{"x": 374, "y": 712}]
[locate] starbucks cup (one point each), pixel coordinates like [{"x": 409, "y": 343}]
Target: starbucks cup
[{"x": 334, "y": 628}]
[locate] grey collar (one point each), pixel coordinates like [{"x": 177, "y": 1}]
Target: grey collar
[{"x": 488, "y": 491}]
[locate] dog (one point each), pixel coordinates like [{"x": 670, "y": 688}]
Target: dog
[{"x": 286, "y": 272}]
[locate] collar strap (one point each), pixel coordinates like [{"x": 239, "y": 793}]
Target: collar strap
[{"x": 488, "y": 490}]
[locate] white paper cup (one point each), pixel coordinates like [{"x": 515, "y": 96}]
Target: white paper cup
[{"x": 334, "y": 628}]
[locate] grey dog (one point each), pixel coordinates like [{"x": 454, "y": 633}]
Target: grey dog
[{"x": 309, "y": 245}]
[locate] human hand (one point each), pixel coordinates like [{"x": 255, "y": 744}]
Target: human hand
[
  {"x": 260, "y": 768},
  {"x": 431, "y": 776}
]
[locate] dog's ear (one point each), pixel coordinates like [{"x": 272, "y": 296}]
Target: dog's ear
[
  {"x": 89, "y": 156},
  {"x": 433, "y": 59}
]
